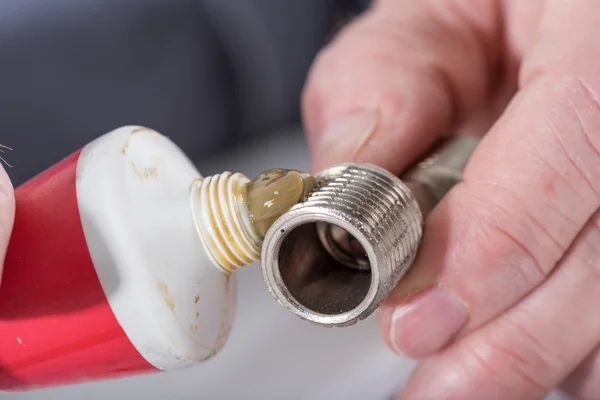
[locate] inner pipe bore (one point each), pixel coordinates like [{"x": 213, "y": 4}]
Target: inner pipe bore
[{"x": 316, "y": 279}]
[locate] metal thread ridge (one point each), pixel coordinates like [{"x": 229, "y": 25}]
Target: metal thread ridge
[
  {"x": 383, "y": 209},
  {"x": 222, "y": 220}
]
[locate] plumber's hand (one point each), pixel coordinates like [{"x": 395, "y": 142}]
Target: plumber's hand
[
  {"x": 7, "y": 213},
  {"x": 508, "y": 277}
]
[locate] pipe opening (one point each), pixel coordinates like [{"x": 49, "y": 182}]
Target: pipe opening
[
  {"x": 342, "y": 246},
  {"x": 315, "y": 269}
]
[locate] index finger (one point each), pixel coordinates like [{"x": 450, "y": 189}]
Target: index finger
[{"x": 398, "y": 77}]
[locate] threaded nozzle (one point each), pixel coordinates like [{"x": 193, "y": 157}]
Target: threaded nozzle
[{"x": 223, "y": 221}]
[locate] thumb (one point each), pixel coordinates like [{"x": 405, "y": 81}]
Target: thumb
[
  {"x": 398, "y": 77},
  {"x": 7, "y": 213}
]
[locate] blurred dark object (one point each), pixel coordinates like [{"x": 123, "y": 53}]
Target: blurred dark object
[{"x": 207, "y": 73}]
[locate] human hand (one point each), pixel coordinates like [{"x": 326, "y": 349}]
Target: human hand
[
  {"x": 7, "y": 214},
  {"x": 501, "y": 301}
]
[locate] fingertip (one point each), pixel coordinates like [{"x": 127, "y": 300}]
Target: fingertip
[
  {"x": 7, "y": 212},
  {"x": 426, "y": 323},
  {"x": 7, "y": 199},
  {"x": 385, "y": 318},
  {"x": 344, "y": 138}
]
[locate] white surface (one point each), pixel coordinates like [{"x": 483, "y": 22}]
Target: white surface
[
  {"x": 174, "y": 305},
  {"x": 271, "y": 354}
]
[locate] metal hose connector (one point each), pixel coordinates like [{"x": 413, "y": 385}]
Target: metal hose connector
[{"x": 333, "y": 258}]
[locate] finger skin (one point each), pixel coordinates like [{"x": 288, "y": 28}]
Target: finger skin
[
  {"x": 529, "y": 189},
  {"x": 498, "y": 235},
  {"x": 7, "y": 213},
  {"x": 531, "y": 348},
  {"x": 420, "y": 66},
  {"x": 584, "y": 381}
]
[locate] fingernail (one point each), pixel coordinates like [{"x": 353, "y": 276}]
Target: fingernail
[
  {"x": 344, "y": 138},
  {"x": 427, "y": 322}
]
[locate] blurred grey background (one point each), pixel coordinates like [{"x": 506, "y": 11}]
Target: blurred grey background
[
  {"x": 222, "y": 78},
  {"x": 207, "y": 73}
]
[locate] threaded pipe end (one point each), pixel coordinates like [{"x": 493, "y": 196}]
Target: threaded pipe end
[
  {"x": 223, "y": 221},
  {"x": 377, "y": 210}
]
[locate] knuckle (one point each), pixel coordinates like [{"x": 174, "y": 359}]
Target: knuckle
[
  {"x": 570, "y": 117},
  {"x": 590, "y": 238},
  {"x": 578, "y": 139},
  {"x": 511, "y": 236},
  {"x": 519, "y": 367}
]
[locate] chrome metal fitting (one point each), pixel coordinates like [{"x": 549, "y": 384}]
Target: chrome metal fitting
[{"x": 333, "y": 258}]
